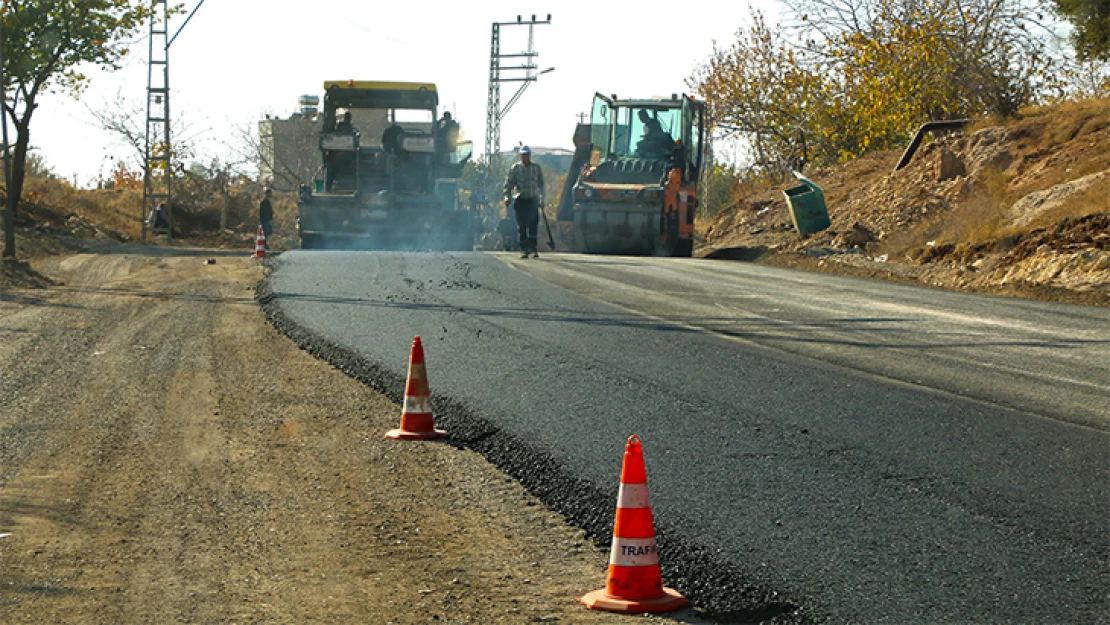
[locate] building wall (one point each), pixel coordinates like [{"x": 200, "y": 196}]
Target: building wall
[{"x": 289, "y": 151}]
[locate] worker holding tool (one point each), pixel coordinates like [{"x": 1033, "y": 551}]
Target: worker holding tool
[
  {"x": 266, "y": 215},
  {"x": 526, "y": 179}
]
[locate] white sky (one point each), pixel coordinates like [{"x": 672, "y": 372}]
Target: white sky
[{"x": 238, "y": 60}]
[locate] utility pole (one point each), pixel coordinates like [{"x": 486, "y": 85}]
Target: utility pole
[
  {"x": 159, "y": 149},
  {"x": 494, "y": 111},
  {"x": 157, "y": 192}
]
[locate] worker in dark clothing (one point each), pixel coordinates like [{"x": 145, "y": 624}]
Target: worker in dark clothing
[
  {"x": 345, "y": 125},
  {"x": 655, "y": 142},
  {"x": 526, "y": 179},
  {"x": 159, "y": 219},
  {"x": 393, "y": 139},
  {"x": 266, "y": 216},
  {"x": 447, "y": 137}
]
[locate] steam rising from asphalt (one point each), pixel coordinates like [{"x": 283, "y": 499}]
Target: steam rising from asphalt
[{"x": 430, "y": 239}]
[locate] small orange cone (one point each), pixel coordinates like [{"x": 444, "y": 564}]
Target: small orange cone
[
  {"x": 635, "y": 584},
  {"x": 417, "y": 421},
  {"x": 260, "y": 244}
]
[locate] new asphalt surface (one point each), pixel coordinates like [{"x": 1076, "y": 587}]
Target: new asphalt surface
[{"x": 832, "y": 449}]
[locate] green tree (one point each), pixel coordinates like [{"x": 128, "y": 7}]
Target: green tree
[
  {"x": 1091, "y": 19},
  {"x": 847, "y": 77},
  {"x": 46, "y": 42},
  {"x": 942, "y": 58},
  {"x": 760, "y": 90}
]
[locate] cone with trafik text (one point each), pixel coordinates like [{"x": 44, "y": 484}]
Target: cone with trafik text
[
  {"x": 635, "y": 583},
  {"x": 260, "y": 244},
  {"x": 417, "y": 421}
]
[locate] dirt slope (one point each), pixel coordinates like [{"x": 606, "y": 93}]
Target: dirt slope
[
  {"x": 167, "y": 456},
  {"x": 1020, "y": 208}
]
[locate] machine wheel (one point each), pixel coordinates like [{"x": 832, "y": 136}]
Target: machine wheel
[
  {"x": 465, "y": 242},
  {"x": 580, "y": 233},
  {"x": 668, "y": 244},
  {"x": 310, "y": 241}
]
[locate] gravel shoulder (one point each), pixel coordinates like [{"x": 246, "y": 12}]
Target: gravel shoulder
[{"x": 167, "y": 456}]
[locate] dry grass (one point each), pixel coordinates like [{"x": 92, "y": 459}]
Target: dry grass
[
  {"x": 1052, "y": 145},
  {"x": 1096, "y": 199},
  {"x": 196, "y": 213},
  {"x": 1060, "y": 143},
  {"x": 115, "y": 210}
]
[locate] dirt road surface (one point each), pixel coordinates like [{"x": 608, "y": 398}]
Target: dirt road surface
[{"x": 167, "y": 456}]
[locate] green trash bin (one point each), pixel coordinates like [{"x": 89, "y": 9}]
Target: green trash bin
[
  {"x": 807, "y": 206},
  {"x": 319, "y": 185}
]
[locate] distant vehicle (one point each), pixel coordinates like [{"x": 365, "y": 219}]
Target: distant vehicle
[
  {"x": 389, "y": 176},
  {"x": 633, "y": 184}
]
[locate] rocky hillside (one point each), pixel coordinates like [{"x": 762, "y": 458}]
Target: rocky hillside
[{"x": 1020, "y": 207}]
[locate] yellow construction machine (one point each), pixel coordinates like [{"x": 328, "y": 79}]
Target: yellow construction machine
[{"x": 389, "y": 172}]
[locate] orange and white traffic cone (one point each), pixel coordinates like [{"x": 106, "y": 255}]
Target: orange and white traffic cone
[
  {"x": 635, "y": 584},
  {"x": 417, "y": 421},
  {"x": 260, "y": 244}
]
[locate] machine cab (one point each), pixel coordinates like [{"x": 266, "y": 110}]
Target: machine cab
[
  {"x": 693, "y": 136},
  {"x": 648, "y": 135},
  {"x": 382, "y": 137}
]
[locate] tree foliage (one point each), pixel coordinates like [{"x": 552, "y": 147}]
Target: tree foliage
[
  {"x": 1091, "y": 19},
  {"x": 758, "y": 88},
  {"x": 851, "y": 76},
  {"x": 46, "y": 43},
  {"x": 125, "y": 120}
]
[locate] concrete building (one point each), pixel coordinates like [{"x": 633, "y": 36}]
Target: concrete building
[{"x": 289, "y": 149}]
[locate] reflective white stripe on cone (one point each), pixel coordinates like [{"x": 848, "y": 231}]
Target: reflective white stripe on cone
[
  {"x": 417, "y": 420},
  {"x": 635, "y": 583},
  {"x": 260, "y": 244}
]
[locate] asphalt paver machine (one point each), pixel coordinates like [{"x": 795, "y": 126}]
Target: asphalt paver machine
[{"x": 389, "y": 172}]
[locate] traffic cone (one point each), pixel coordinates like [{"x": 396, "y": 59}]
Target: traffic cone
[
  {"x": 635, "y": 584},
  {"x": 417, "y": 421},
  {"x": 260, "y": 244}
]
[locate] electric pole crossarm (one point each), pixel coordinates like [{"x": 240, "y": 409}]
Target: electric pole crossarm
[{"x": 494, "y": 111}]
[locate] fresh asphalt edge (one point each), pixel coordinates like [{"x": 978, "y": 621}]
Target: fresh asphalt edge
[{"x": 715, "y": 587}]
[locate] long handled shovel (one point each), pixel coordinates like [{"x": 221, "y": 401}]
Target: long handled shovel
[{"x": 550, "y": 239}]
